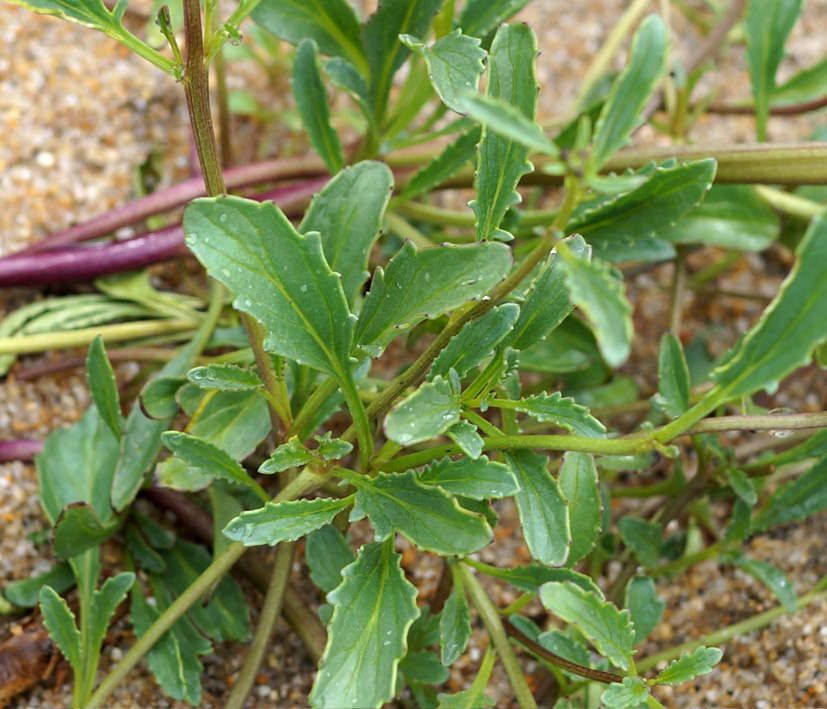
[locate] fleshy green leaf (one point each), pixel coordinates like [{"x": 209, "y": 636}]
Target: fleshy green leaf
[
  {"x": 547, "y": 303},
  {"x": 796, "y": 500},
  {"x": 89, "y": 450},
  {"x": 331, "y": 23},
  {"x": 689, "y": 666},
  {"x": 608, "y": 629},
  {"x": 479, "y": 17},
  {"x": 426, "y": 283},
  {"x": 385, "y": 53},
  {"x": 60, "y": 622},
  {"x": 732, "y": 216},
  {"x": 807, "y": 85},
  {"x": 427, "y": 413},
  {"x": 455, "y": 65},
  {"x": 599, "y": 294},
  {"x": 631, "y": 90},
  {"x": 564, "y": 412},
  {"x": 507, "y": 121},
  {"x": 633, "y": 692},
  {"x": 644, "y": 605},
  {"x": 224, "y": 377},
  {"x": 543, "y": 512},
  {"x": 211, "y": 459},
  {"x": 578, "y": 483},
  {"x": 423, "y": 667},
  {"x": 158, "y": 397},
  {"x": 26, "y": 592},
  {"x": 673, "y": 377},
  {"x": 234, "y": 421},
  {"x": 104, "y": 602},
  {"x": 790, "y": 328},
  {"x": 466, "y": 436},
  {"x": 643, "y": 538},
  {"x": 278, "y": 276},
  {"x": 332, "y": 448},
  {"x": 426, "y": 515},
  {"x": 475, "y": 341},
  {"x": 314, "y": 106},
  {"x": 375, "y": 606},
  {"x": 479, "y": 479},
  {"x": 565, "y": 646},
  {"x": 742, "y": 485},
  {"x": 278, "y": 522},
  {"x": 773, "y": 578},
  {"x": 103, "y": 387},
  {"x": 349, "y": 227},
  {"x": 501, "y": 162},
  {"x": 766, "y": 28},
  {"x": 79, "y": 528},
  {"x": 456, "y": 154},
  {"x": 740, "y": 522},
  {"x": 327, "y": 553},
  {"x": 642, "y": 213},
  {"x": 454, "y": 626},
  {"x": 530, "y": 578}
]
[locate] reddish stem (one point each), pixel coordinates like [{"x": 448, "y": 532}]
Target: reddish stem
[{"x": 21, "y": 449}]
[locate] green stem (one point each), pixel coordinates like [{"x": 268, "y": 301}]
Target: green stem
[
  {"x": 306, "y": 481},
  {"x": 496, "y": 631},
  {"x": 726, "y": 634},
  {"x": 312, "y": 404},
  {"x": 788, "y": 203},
  {"x": 270, "y": 612},
  {"x": 403, "y": 229},
  {"x": 360, "y": 420},
  {"x": 678, "y": 290},
  {"x": 217, "y": 39},
  {"x": 143, "y": 50}
]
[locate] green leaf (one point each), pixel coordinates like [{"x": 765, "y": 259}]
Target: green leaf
[
  {"x": 599, "y": 294},
  {"x": 807, "y": 85},
  {"x": 60, "y": 622},
  {"x": 631, "y": 90},
  {"x": 234, "y": 421},
  {"x": 480, "y": 17},
  {"x": 103, "y": 387},
  {"x": 814, "y": 447},
  {"x": 375, "y": 606},
  {"x": 26, "y": 592},
  {"x": 211, "y": 459},
  {"x": 349, "y": 227},
  {"x": 742, "y": 485},
  {"x": 104, "y": 602},
  {"x": 740, "y": 522},
  {"x": 479, "y": 479},
  {"x": 632, "y": 692},
  {"x": 79, "y": 528},
  {"x": 530, "y": 578},
  {"x": 288, "y": 455},
  {"x": 278, "y": 276},
  {"x": 578, "y": 483},
  {"x": 544, "y": 515},
  {"x": 608, "y": 629},
  {"x": 564, "y": 412},
  {"x": 501, "y": 162},
  {"x": 278, "y": 522},
  {"x": 465, "y": 435},
  {"x": 565, "y": 646},
  {"x": 673, "y": 377},
  {"x": 475, "y": 695},
  {"x": 773, "y": 578},
  {"x": 455, "y": 65},
  {"x": 90, "y": 450},
  {"x": 505, "y": 120},
  {"x": 224, "y": 377},
  {"x": 547, "y": 303},
  {"x": 796, "y": 500},
  {"x": 423, "y": 667},
  {"x": 332, "y": 448},
  {"x": 657, "y": 204},
  {"x": 456, "y": 154},
  {"x": 424, "y": 415},
  {"x": 385, "y": 53},
  {"x": 158, "y": 397},
  {"x": 314, "y": 106},
  {"x": 331, "y": 23},
  {"x": 766, "y": 28},
  {"x": 689, "y": 666},
  {"x": 426, "y": 283},
  {"x": 790, "y": 328},
  {"x": 642, "y": 537},
  {"x": 454, "y": 626},
  {"x": 426, "y": 515},
  {"x": 732, "y": 216},
  {"x": 644, "y": 605},
  {"x": 475, "y": 341},
  {"x": 326, "y": 554}
]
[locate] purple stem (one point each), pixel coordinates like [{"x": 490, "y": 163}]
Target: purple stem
[
  {"x": 235, "y": 177},
  {"x": 21, "y": 449},
  {"x": 84, "y": 263}
]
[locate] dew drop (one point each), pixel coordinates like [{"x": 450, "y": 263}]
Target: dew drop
[
  {"x": 386, "y": 643},
  {"x": 303, "y": 289},
  {"x": 222, "y": 218},
  {"x": 427, "y": 276},
  {"x": 226, "y": 272}
]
